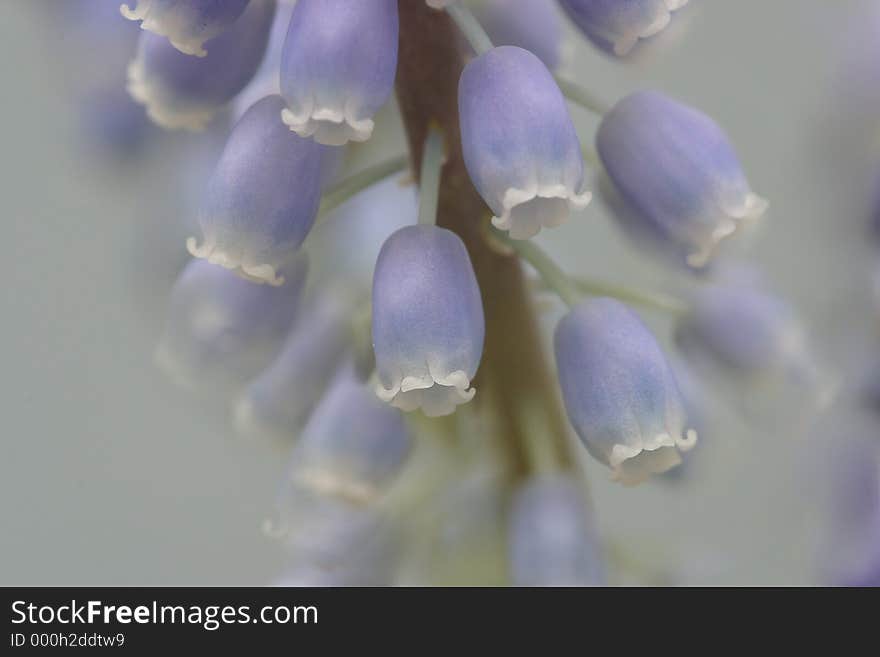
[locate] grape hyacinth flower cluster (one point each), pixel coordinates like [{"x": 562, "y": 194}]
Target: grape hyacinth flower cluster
[{"x": 407, "y": 353}]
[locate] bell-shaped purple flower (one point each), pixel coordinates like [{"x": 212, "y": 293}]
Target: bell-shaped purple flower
[
  {"x": 353, "y": 445},
  {"x": 676, "y": 169},
  {"x": 263, "y": 197},
  {"x": 187, "y": 24},
  {"x": 428, "y": 325},
  {"x": 335, "y": 543},
  {"x": 267, "y": 79},
  {"x": 552, "y": 539},
  {"x": 736, "y": 330},
  {"x": 181, "y": 91},
  {"x": 616, "y": 26},
  {"x": 520, "y": 146},
  {"x": 535, "y": 25},
  {"x": 278, "y": 402},
  {"x": 338, "y": 66},
  {"x": 221, "y": 329},
  {"x": 619, "y": 391}
]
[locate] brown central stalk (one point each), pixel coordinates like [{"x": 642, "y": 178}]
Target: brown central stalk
[{"x": 513, "y": 374}]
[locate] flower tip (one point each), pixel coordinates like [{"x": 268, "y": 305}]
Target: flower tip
[
  {"x": 525, "y": 213},
  {"x": 261, "y": 273},
  {"x": 328, "y": 127},
  {"x": 434, "y": 396}
]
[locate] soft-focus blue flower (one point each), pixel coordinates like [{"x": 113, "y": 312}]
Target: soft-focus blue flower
[
  {"x": 181, "y": 91},
  {"x": 279, "y": 400},
  {"x": 263, "y": 198},
  {"x": 267, "y": 80},
  {"x": 852, "y": 553},
  {"x": 113, "y": 122},
  {"x": 519, "y": 143},
  {"x": 353, "y": 445},
  {"x": 221, "y": 329},
  {"x": 735, "y": 330},
  {"x": 333, "y": 543},
  {"x": 552, "y": 539},
  {"x": 535, "y": 25},
  {"x": 616, "y": 26},
  {"x": 677, "y": 170},
  {"x": 428, "y": 323},
  {"x": 338, "y": 66},
  {"x": 187, "y": 24},
  {"x": 619, "y": 391},
  {"x": 367, "y": 219}
]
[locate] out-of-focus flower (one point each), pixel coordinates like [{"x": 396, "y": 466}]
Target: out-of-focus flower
[
  {"x": 735, "y": 330},
  {"x": 676, "y": 169},
  {"x": 353, "y": 445},
  {"x": 334, "y": 543},
  {"x": 187, "y": 24},
  {"x": 337, "y": 67},
  {"x": 267, "y": 79},
  {"x": 535, "y": 25},
  {"x": 616, "y": 26},
  {"x": 552, "y": 540},
  {"x": 852, "y": 556},
  {"x": 427, "y": 320},
  {"x": 279, "y": 401},
  {"x": 263, "y": 196},
  {"x": 520, "y": 146},
  {"x": 619, "y": 391},
  {"x": 181, "y": 91},
  {"x": 221, "y": 329},
  {"x": 367, "y": 219},
  {"x": 114, "y": 122}
]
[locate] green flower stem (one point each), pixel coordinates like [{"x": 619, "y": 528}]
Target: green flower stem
[
  {"x": 583, "y": 97},
  {"x": 348, "y": 187},
  {"x": 470, "y": 27},
  {"x": 551, "y": 273},
  {"x": 429, "y": 180}
]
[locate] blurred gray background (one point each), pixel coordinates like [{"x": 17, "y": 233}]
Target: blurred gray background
[{"x": 111, "y": 476}]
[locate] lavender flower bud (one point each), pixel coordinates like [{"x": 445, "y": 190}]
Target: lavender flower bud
[
  {"x": 180, "y": 91},
  {"x": 338, "y": 66},
  {"x": 337, "y": 544},
  {"x": 267, "y": 80},
  {"x": 427, "y": 321},
  {"x": 221, "y": 329},
  {"x": 534, "y": 25},
  {"x": 676, "y": 169},
  {"x": 278, "y": 402},
  {"x": 187, "y": 24},
  {"x": 619, "y": 391},
  {"x": 552, "y": 541},
  {"x": 263, "y": 198},
  {"x": 519, "y": 144},
  {"x": 735, "y": 330},
  {"x": 353, "y": 445},
  {"x": 616, "y": 26}
]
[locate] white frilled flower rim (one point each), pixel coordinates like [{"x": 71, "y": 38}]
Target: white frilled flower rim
[
  {"x": 327, "y": 125},
  {"x": 434, "y": 393},
  {"x": 526, "y": 211},
  {"x": 633, "y": 464},
  {"x": 750, "y": 210},
  {"x": 626, "y": 42},
  {"x": 161, "y": 106},
  {"x": 152, "y": 21},
  {"x": 235, "y": 261}
]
